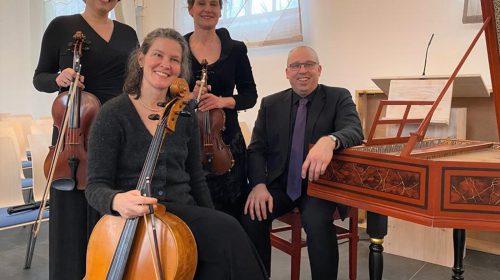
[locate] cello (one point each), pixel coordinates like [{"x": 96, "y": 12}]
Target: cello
[
  {"x": 65, "y": 165},
  {"x": 216, "y": 156},
  {"x": 123, "y": 248}
]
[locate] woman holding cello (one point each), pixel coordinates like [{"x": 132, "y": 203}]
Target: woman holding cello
[
  {"x": 228, "y": 67},
  {"x": 118, "y": 147},
  {"x": 104, "y": 57}
]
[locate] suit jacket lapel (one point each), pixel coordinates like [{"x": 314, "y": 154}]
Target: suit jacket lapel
[
  {"x": 314, "y": 113},
  {"x": 283, "y": 124}
]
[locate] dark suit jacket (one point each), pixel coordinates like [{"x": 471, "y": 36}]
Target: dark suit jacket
[{"x": 332, "y": 112}]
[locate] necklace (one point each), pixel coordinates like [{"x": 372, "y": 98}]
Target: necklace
[{"x": 149, "y": 108}]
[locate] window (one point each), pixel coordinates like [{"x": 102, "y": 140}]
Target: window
[
  {"x": 472, "y": 12},
  {"x": 257, "y": 22}
]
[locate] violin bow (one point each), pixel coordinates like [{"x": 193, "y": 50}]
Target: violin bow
[{"x": 35, "y": 229}]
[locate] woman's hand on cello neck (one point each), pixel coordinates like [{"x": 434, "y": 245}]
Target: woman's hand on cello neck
[
  {"x": 132, "y": 204},
  {"x": 67, "y": 76}
]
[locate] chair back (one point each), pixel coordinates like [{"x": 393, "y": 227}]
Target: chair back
[
  {"x": 247, "y": 134},
  {"x": 7, "y": 130},
  {"x": 4, "y": 115},
  {"x": 10, "y": 182},
  {"x": 39, "y": 146},
  {"x": 42, "y": 126},
  {"x": 21, "y": 125}
]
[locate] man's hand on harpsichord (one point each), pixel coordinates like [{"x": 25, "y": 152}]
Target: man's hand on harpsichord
[{"x": 318, "y": 158}]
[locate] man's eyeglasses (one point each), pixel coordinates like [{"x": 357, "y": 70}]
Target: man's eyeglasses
[{"x": 307, "y": 65}]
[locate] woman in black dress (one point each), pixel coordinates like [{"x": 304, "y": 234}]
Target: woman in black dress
[
  {"x": 118, "y": 147},
  {"x": 103, "y": 69},
  {"x": 228, "y": 67}
]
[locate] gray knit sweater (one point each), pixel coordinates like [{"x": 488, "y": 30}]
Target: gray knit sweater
[{"x": 117, "y": 148}]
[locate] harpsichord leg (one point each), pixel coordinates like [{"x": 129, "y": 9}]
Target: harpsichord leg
[
  {"x": 458, "y": 254},
  {"x": 376, "y": 228}
]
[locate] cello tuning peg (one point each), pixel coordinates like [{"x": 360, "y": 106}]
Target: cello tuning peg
[
  {"x": 161, "y": 104},
  {"x": 154, "y": 117}
]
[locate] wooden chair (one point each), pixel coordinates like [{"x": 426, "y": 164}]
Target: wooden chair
[
  {"x": 13, "y": 127},
  {"x": 4, "y": 115},
  {"x": 21, "y": 125},
  {"x": 247, "y": 133},
  {"x": 10, "y": 192},
  {"x": 39, "y": 146},
  {"x": 293, "y": 246},
  {"x": 42, "y": 126},
  {"x": 6, "y": 130}
]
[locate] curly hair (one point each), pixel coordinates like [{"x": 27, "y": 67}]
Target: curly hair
[{"x": 133, "y": 81}]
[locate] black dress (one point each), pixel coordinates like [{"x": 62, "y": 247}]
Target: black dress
[
  {"x": 231, "y": 70},
  {"x": 104, "y": 66}
]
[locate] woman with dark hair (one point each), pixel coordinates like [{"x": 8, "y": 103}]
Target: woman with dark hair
[
  {"x": 118, "y": 145},
  {"x": 228, "y": 67},
  {"x": 104, "y": 60}
]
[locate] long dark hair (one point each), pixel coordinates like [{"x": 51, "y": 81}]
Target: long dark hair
[{"x": 133, "y": 80}]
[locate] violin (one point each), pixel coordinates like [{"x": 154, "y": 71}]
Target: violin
[
  {"x": 65, "y": 166},
  {"x": 216, "y": 156},
  {"x": 73, "y": 112},
  {"x": 158, "y": 245}
]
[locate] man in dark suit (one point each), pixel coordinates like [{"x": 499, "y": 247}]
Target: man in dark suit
[{"x": 279, "y": 163}]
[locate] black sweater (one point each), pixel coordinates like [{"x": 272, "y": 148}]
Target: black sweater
[
  {"x": 118, "y": 144},
  {"x": 103, "y": 64}
]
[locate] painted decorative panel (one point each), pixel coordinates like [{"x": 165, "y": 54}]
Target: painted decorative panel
[
  {"x": 388, "y": 180},
  {"x": 475, "y": 190}
]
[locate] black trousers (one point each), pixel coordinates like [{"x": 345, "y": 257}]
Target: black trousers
[
  {"x": 70, "y": 224},
  {"x": 224, "y": 250},
  {"x": 228, "y": 190},
  {"x": 317, "y": 221}
]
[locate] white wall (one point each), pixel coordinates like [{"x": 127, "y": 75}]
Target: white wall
[
  {"x": 21, "y": 31},
  {"x": 389, "y": 37},
  {"x": 360, "y": 39},
  {"x": 157, "y": 13},
  {"x": 355, "y": 40}
]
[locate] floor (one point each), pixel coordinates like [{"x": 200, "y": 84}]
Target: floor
[{"x": 478, "y": 265}]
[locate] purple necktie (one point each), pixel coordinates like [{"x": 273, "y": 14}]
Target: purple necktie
[{"x": 294, "y": 181}]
